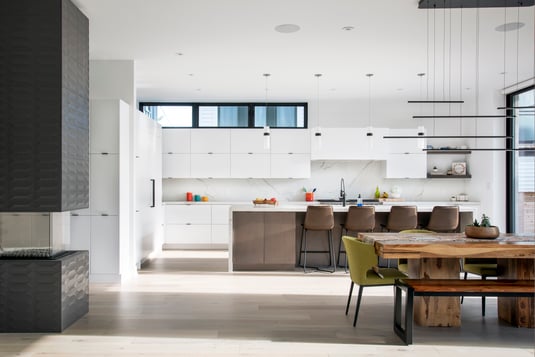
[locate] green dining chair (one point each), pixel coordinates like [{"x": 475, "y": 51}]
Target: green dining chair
[
  {"x": 483, "y": 267},
  {"x": 364, "y": 271},
  {"x": 403, "y": 263}
]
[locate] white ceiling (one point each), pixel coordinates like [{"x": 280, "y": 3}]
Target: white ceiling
[{"x": 227, "y": 45}]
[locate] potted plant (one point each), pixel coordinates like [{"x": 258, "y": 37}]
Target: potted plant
[{"x": 482, "y": 229}]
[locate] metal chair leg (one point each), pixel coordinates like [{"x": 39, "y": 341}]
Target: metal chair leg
[
  {"x": 465, "y": 276},
  {"x": 483, "y": 277},
  {"x": 358, "y": 306},
  {"x": 349, "y": 297}
]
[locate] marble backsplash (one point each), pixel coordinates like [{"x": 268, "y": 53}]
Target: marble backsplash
[{"x": 361, "y": 177}]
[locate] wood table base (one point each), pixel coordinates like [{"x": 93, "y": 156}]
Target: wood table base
[
  {"x": 519, "y": 312},
  {"x": 432, "y": 310}
]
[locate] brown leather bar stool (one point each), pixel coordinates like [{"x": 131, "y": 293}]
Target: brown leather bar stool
[
  {"x": 444, "y": 219},
  {"x": 358, "y": 219},
  {"x": 318, "y": 218},
  {"x": 400, "y": 218}
]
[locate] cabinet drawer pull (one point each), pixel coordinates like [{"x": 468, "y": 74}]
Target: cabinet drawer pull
[
  {"x": 188, "y": 224},
  {"x": 210, "y": 153},
  {"x": 290, "y": 153},
  {"x": 249, "y": 153},
  {"x": 104, "y": 214},
  {"x": 170, "y": 152},
  {"x": 74, "y": 214},
  {"x": 104, "y": 153}
]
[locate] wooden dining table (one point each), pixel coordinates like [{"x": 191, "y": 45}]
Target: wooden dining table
[{"x": 438, "y": 255}]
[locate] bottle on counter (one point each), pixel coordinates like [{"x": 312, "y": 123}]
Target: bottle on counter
[
  {"x": 377, "y": 192},
  {"x": 359, "y": 201}
]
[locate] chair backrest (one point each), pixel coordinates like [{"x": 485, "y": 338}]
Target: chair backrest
[
  {"x": 360, "y": 219},
  {"x": 444, "y": 219},
  {"x": 360, "y": 258},
  {"x": 401, "y": 218},
  {"x": 319, "y": 218}
]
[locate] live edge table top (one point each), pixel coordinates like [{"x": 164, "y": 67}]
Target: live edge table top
[{"x": 450, "y": 245}]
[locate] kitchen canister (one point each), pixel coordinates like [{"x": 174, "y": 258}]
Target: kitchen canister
[
  {"x": 197, "y": 198},
  {"x": 189, "y": 196}
]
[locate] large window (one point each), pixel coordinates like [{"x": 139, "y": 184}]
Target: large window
[
  {"x": 227, "y": 115},
  {"x": 521, "y": 164}
]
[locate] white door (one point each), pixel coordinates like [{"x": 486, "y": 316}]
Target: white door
[
  {"x": 104, "y": 184},
  {"x": 104, "y": 251}
]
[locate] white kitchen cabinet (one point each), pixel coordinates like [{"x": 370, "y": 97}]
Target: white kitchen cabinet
[
  {"x": 176, "y": 141},
  {"x": 104, "y": 128},
  {"x": 402, "y": 146},
  {"x": 290, "y": 165},
  {"x": 210, "y": 165},
  {"x": 221, "y": 214},
  {"x": 176, "y": 165},
  {"x": 250, "y": 165},
  {"x": 409, "y": 165},
  {"x": 205, "y": 141},
  {"x": 220, "y": 235},
  {"x": 188, "y": 214},
  {"x": 104, "y": 184},
  {"x": 348, "y": 144},
  {"x": 188, "y": 234},
  {"x": 104, "y": 248},
  {"x": 80, "y": 232},
  {"x": 245, "y": 141},
  {"x": 200, "y": 226},
  {"x": 285, "y": 141}
]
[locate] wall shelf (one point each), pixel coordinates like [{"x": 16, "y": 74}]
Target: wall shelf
[
  {"x": 448, "y": 151},
  {"x": 431, "y": 176}
]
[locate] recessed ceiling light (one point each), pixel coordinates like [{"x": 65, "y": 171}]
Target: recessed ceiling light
[
  {"x": 510, "y": 26},
  {"x": 287, "y": 28},
  {"x": 348, "y": 28}
]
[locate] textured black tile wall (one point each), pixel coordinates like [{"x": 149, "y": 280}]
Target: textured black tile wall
[
  {"x": 44, "y": 106},
  {"x": 43, "y": 295}
]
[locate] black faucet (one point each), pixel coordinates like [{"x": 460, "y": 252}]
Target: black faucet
[{"x": 343, "y": 192}]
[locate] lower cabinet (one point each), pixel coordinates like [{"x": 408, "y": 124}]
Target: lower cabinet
[
  {"x": 263, "y": 240},
  {"x": 196, "y": 226}
]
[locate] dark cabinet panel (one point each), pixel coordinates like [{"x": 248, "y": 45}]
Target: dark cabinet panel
[{"x": 44, "y": 106}]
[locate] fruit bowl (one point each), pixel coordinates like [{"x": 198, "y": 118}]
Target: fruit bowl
[{"x": 265, "y": 201}]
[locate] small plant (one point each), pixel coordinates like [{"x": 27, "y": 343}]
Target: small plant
[{"x": 485, "y": 222}]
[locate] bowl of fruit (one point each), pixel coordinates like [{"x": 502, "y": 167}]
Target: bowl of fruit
[{"x": 265, "y": 201}]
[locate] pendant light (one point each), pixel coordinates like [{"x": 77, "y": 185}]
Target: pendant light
[
  {"x": 267, "y": 131},
  {"x": 369, "y": 128},
  {"x": 317, "y": 129}
]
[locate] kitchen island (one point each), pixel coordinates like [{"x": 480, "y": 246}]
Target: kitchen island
[{"x": 267, "y": 237}]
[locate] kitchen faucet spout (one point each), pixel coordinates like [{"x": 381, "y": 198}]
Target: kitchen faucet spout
[{"x": 343, "y": 192}]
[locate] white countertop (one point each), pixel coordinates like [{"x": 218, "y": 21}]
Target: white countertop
[{"x": 301, "y": 206}]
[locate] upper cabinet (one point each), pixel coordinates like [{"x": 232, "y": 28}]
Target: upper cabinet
[
  {"x": 176, "y": 141},
  {"x": 405, "y": 157},
  {"x": 210, "y": 141},
  {"x": 348, "y": 144},
  {"x": 290, "y": 141},
  {"x": 247, "y": 141}
]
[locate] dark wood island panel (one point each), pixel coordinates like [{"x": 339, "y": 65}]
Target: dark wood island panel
[{"x": 263, "y": 240}]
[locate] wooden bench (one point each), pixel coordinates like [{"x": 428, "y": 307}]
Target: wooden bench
[{"x": 449, "y": 287}]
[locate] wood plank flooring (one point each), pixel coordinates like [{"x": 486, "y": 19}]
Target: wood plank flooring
[{"x": 184, "y": 303}]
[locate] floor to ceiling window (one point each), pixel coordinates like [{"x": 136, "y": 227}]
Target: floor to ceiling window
[{"x": 521, "y": 163}]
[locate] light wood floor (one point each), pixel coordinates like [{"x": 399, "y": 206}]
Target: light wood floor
[{"x": 186, "y": 304}]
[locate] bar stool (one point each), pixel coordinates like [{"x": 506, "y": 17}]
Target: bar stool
[
  {"x": 318, "y": 218},
  {"x": 358, "y": 219},
  {"x": 444, "y": 219},
  {"x": 402, "y": 218}
]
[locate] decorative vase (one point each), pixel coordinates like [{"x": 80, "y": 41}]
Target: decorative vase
[{"x": 482, "y": 232}]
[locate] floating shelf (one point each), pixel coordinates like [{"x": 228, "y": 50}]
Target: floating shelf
[
  {"x": 447, "y": 151},
  {"x": 449, "y": 176}
]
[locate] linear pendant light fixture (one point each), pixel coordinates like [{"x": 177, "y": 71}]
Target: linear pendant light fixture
[
  {"x": 267, "y": 131},
  {"x": 317, "y": 130},
  {"x": 369, "y": 129}
]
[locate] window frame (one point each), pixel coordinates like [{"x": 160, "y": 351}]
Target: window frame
[{"x": 251, "y": 117}]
